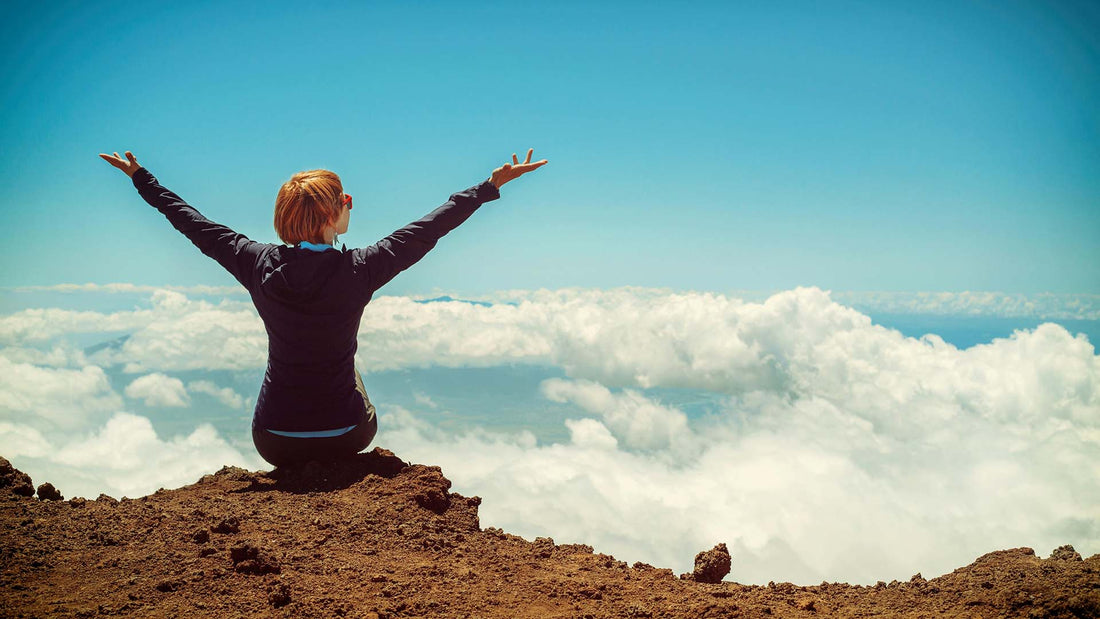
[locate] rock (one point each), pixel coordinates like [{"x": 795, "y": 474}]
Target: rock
[
  {"x": 168, "y": 586},
  {"x": 242, "y": 552},
  {"x": 200, "y": 536},
  {"x": 46, "y": 492},
  {"x": 78, "y": 501},
  {"x": 248, "y": 559},
  {"x": 279, "y": 595},
  {"x": 228, "y": 525},
  {"x": 429, "y": 487},
  {"x": 235, "y": 473},
  {"x": 712, "y": 565},
  {"x": 1065, "y": 553},
  {"x": 18, "y": 481}
]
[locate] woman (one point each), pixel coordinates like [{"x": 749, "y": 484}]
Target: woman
[{"x": 312, "y": 404}]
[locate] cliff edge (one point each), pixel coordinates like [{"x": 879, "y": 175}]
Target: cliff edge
[{"x": 376, "y": 537}]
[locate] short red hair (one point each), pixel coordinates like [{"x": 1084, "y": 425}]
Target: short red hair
[{"x": 306, "y": 203}]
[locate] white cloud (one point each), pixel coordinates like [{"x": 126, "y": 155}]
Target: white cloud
[
  {"x": 590, "y": 433},
  {"x": 176, "y": 334},
  {"x": 124, "y": 457},
  {"x": 842, "y": 450},
  {"x": 132, "y": 288},
  {"x": 225, "y": 395},
  {"x": 636, "y": 420},
  {"x": 192, "y": 335},
  {"x": 845, "y": 451},
  {"x": 60, "y": 398},
  {"x": 22, "y": 440},
  {"x": 1046, "y": 306},
  {"x": 158, "y": 390},
  {"x": 61, "y": 355},
  {"x": 397, "y": 332},
  {"x": 40, "y": 325}
]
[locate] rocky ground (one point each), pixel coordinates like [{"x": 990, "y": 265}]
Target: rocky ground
[{"x": 377, "y": 537}]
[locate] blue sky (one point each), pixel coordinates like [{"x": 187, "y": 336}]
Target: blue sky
[{"x": 852, "y": 146}]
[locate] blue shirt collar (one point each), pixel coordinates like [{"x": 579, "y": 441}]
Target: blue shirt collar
[{"x": 314, "y": 246}]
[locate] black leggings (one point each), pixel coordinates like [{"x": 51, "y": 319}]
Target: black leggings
[{"x": 283, "y": 450}]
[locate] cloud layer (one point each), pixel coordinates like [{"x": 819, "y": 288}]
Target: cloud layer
[{"x": 841, "y": 450}]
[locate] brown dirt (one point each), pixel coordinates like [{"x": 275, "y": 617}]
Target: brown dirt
[{"x": 376, "y": 537}]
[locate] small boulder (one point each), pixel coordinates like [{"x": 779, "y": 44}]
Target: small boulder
[
  {"x": 46, "y": 492},
  {"x": 18, "y": 481},
  {"x": 1065, "y": 553},
  {"x": 712, "y": 565},
  {"x": 248, "y": 559},
  {"x": 228, "y": 525},
  {"x": 429, "y": 487},
  {"x": 279, "y": 595}
]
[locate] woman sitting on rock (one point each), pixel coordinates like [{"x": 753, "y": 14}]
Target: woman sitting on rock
[{"x": 312, "y": 404}]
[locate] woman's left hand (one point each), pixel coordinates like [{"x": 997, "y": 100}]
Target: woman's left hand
[{"x": 128, "y": 165}]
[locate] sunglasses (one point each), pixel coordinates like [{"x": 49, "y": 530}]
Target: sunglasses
[{"x": 347, "y": 200}]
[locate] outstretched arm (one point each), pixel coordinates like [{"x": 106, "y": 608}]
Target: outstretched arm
[
  {"x": 378, "y": 264},
  {"x": 235, "y": 252}
]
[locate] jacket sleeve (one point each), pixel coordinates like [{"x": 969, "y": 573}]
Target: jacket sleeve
[
  {"x": 234, "y": 251},
  {"x": 378, "y": 264}
]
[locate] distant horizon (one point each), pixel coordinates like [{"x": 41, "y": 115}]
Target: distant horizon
[{"x": 1075, "y": 306}]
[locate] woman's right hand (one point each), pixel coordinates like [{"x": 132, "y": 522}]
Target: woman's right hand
[{"x": 514, "y": 170}]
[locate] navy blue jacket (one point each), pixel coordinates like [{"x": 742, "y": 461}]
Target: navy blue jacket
[{"x": 311, "y": 302}]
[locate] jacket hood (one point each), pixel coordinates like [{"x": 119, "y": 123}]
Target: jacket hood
[{"x": 298, "y": 276}]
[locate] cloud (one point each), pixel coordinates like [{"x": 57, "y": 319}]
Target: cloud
[
  {"x": 1045, "y": 306},
  {"x": 22, "y": 440},
  {"x": 59, "y": 355},
  {"x": 57, "y": 398},
  {"x": 132, "y": 288},
  {"x": 194, "y": 335},
  {"x": 618, "y": 337},
  {"x": 124, "y": 457},
  {"x": 158, "y": 390},
  {"x": 42, "y": 324},
  {"x": 636, "y": 420},
  {"x": 843, "y": 451},
  {"x": 838, "y": 450},
  {"x": 803, "y": 489},
  {"x": 225, "y": 395},
  {"x": 1049, "y": 306},
  {"x": 589, "y": 433},
  {"x": 398, "y": 332}
]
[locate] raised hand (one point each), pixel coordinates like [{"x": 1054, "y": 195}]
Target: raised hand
[
  {"x": 514, "y": 170},
  {"x": 128, "y": 165}
]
